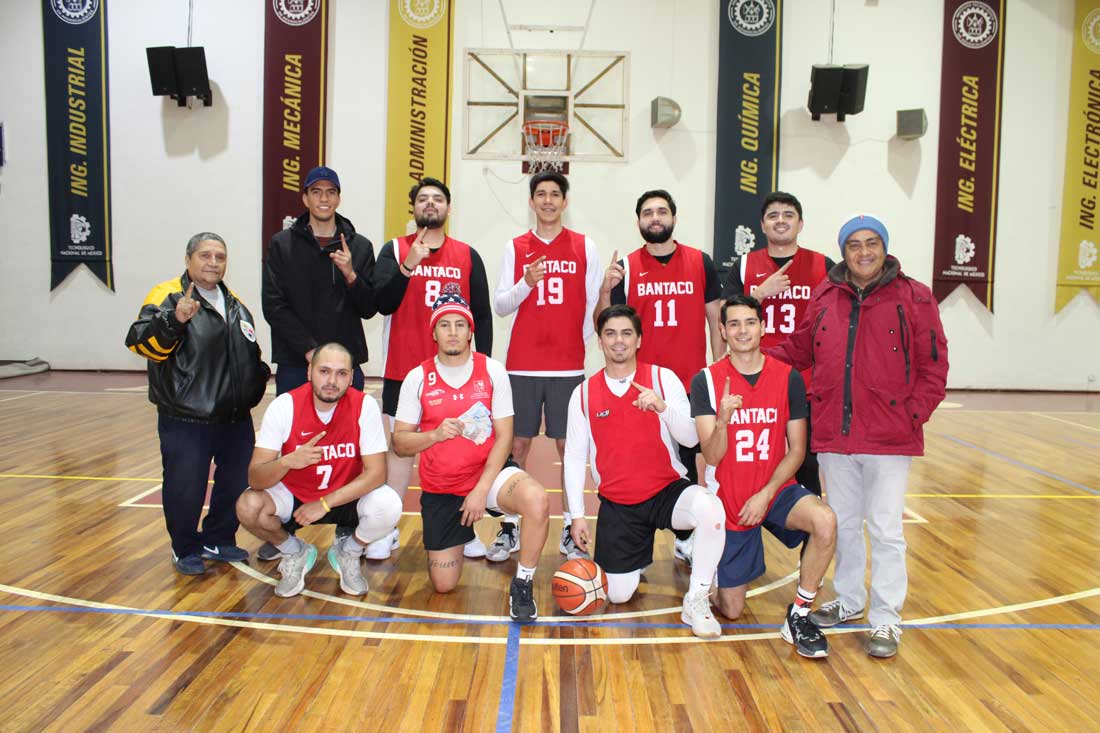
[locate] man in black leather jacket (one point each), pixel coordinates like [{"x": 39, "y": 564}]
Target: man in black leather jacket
[{"x": 205, "y": 376}]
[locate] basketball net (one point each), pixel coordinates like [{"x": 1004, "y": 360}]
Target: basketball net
[{"x": 545, "y": 145}]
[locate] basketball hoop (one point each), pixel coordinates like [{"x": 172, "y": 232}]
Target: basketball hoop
[{"x": 545, "y": 145}]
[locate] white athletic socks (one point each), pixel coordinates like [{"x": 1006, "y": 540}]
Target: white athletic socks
[
  {"x": 804, "y": 600},
  {"x": 524, "y": 573},
  {"x": 290, "y": 546}
]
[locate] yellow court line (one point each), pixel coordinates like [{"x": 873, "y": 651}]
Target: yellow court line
[
  {"x": 1092, "y": 497},
  {"x": 248, "y": 624},
  {"x": 75, "y": 478},
  {"x": 1067, "y": 422}
]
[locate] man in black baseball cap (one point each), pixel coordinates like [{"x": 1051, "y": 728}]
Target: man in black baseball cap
[{"x": 316, "y": 289}]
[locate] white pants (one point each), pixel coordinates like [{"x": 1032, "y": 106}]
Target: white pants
[
  {"x": 872, "y": 488},
  {"x": 378, "y": 510}
]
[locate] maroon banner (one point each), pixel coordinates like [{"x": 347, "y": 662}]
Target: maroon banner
[
  {"x": 970, "y": 127},
  {"x": 295, "y": 82}
]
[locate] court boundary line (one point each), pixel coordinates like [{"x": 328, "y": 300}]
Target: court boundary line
[
  {"x": 932, "y": 622},
  {"x": 1020, "y": 464}
]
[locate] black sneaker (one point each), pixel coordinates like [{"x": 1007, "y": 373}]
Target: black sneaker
[
  {"x": 521, "y": 601},
  {"x": 804, "y": 635}
]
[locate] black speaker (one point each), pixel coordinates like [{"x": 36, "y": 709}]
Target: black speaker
[
  {"x": 825, "y": 83},
  {"x": 853, "y": 90},
  {"x": 162, "y": 72},
  {"x": 191, "y": 78}
]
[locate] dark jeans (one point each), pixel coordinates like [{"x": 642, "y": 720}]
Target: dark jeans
[
  {"x": 186, "y": 449},
  {"x": 288, "y": 377}
]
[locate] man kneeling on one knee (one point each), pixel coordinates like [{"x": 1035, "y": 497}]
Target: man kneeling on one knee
[
  {"x": 628, "y": 421},
  {"x": 455, "y": 410},
  {"x": 761, "y": 404},
  {"x": 320, "y": 458}
]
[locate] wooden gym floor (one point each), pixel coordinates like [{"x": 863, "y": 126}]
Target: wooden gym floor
[{"x": 98, "y": 633}]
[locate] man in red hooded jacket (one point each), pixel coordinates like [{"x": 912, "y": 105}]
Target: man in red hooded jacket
[{"x": 879, "y": 356}]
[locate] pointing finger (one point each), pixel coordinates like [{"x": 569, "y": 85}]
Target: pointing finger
[
  {"x": 637, "y": 386},
  {"x": 787, "y": 266},
  {"x": 614, "y": 257},
  {"x": 190, "y": 289},
  {"x": 313, "y": 441},
  {"x": 726, "y": 389},
  {"x": 344, "y": 242}
]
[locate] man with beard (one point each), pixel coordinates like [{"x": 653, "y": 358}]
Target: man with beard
[
  {"x": 676, "y": 291},
  {"x": 625, "y": 422},
  {"x": 320, "y": 458},
  {"x": 782, "y": 277},
  {"x": 412, "y": 272},
  {"x": 455, "y": 410},
  {"x": 316, "y": 289}
]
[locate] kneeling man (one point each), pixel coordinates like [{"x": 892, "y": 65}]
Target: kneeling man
[
  {"x": 320, "y": 458},
  {"x": 455, "y": 410},
  {"x": 629, "y": 421},
  {"x": 761, "y": 404}
]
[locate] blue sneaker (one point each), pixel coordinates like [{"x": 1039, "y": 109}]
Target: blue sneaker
[
  {"x": 188, "y": 564},
  {"x": 224, "y": 553}
]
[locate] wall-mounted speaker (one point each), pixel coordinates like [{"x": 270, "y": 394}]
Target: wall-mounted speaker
[
  {"x": 912, "y": 124},
  {"x": 162, "y": 72},
  {"x": 825, "y": 82},
  {"x": 853, "y": 90},
  {"x": 179, "y": 73}
]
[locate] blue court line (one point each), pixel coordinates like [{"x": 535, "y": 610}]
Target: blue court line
[
  {"x": 508, "y": 681},
  {"x": 513, "y": 627},
  {"x": 1021, "y": 464}
]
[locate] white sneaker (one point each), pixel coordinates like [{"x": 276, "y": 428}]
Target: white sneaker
[
  {"x": 506, "y": 542},
  {"x": 698, "y": 616},
  {"x": 381, "y": 549},
  {"x": 682, "y": 549},
  {"x": 347, "y": 567},
  {"x": 293, "y": 569},
  {"x": 475, "y": 548},
  {"x": 568, "y": 547}
]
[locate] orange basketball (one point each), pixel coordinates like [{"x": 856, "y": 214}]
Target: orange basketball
[{"x": 580, "y": 587}]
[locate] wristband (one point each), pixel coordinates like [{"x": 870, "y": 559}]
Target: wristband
[
  {"x": 325, "y": 505},
  {"x": 404, "y": 270}
]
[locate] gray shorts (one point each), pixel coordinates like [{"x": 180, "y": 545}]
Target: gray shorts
[{"x": 531, "y": 396}]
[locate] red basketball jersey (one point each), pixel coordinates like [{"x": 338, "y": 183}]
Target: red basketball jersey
[
  {"x": 341, "y": 461},
  {"x": 406, "y": 338},
  {"x": 548, "y": 329},
  {"x": 783, "y": 312},
  {"x": 671, "y": 300},
  {"x": 632, "y": 459},
  {"x": 756, "y": 435},
  {"x": 453, "y": 466}
]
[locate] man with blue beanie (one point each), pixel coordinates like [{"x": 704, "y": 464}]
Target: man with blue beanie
[{"x": 874, "y": 339}]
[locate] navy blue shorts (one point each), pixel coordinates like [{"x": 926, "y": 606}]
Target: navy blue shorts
[{"x": 743, "y": 559}]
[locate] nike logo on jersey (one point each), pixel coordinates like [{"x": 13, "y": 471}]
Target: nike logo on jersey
[
  {"x": 761, "y": 274},
  {"x": 528, "y": 255},
  {"x": 643, "y": 274},
  {"x": 305, "y": 434}
]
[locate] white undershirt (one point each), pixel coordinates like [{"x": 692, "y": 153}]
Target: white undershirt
[{"x": 213, "y": 297}]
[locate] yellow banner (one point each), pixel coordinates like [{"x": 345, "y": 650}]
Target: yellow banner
[
  {"x": 418, "y": 141},
  {"x": 1078, "y": 260}
]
